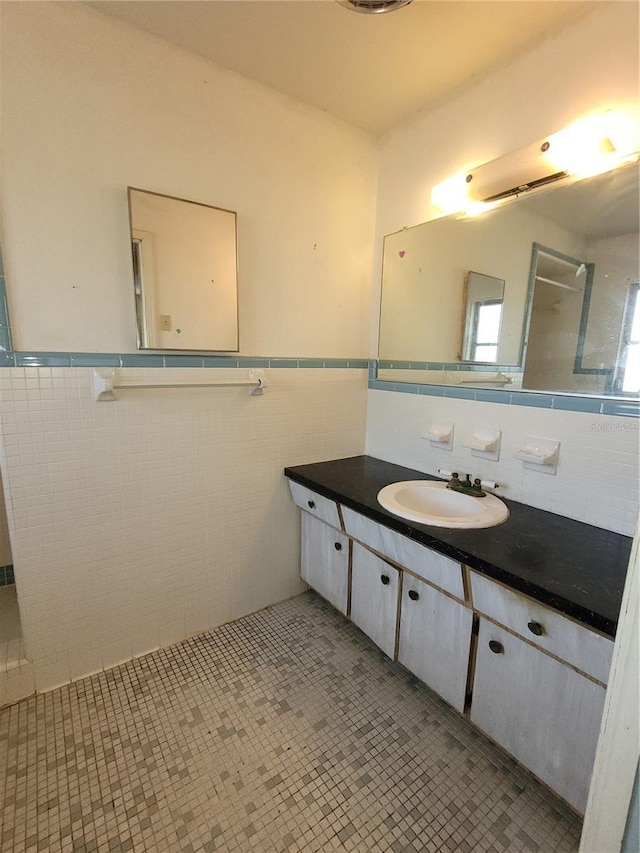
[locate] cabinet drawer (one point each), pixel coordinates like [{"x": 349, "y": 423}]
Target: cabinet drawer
[
  {"x": 548, "y": 629},
  {"x": 317, "y": 505},
  {"x": 422, "y": 561}
]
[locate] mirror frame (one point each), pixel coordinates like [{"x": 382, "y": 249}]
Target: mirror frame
[{"x": 138, "y": 257}]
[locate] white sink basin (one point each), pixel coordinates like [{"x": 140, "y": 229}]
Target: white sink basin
[{"x": 430, "y": 502}]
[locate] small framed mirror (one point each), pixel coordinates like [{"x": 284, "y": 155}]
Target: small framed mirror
[
  {"x": 184, "y": 273},
  {"x": 482, "y": 318}
]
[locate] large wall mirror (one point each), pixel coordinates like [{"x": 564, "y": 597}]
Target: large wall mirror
[
  {"x": 185, "y": 273},
  {"x": 539, "y": 293}
]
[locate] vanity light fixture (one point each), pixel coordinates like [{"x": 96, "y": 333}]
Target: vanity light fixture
[
  {"x": 595, "y": 144},
  {"x": 374, "y": 7}
]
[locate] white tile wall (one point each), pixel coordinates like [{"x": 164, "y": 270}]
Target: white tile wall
[
  {"x": 139, "y": 522},
  {"x": 598, "y": 471}
]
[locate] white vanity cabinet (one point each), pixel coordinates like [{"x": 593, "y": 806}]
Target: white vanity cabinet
[
  {"x": 539, "y": 694},
  {"x": 542, "y": 711},
  {"x": 435, "y": 639},
  {"x": 529, "y": 677},
  {"x": 375, "y": 586},
  {"x": 324, "y": 561}
]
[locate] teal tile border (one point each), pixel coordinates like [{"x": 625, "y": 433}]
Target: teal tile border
[
  {"x": 183, "y": 361},
  {"x": 87, "y": 359},
  {"x": 144, "y": 359},
  {"x": 43, "y": 359},
  {"x": 533, "y": 399},
  {"x": 620, "y": 408},
  {"x": 558, "y": 402},
  {"x": 467, "y": 367}
]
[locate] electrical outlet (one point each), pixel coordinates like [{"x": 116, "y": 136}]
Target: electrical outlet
[{"x": 165, "y": 322}]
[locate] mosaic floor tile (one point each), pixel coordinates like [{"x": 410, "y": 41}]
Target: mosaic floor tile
[{"x": 285, "y": 731}]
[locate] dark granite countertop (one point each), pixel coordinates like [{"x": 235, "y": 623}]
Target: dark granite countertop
[{"x": 573, "y": 567}]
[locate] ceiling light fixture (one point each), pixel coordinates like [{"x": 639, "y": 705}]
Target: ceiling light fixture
[
  {"x": 595, "y": 144},
  {"x": 373, "y": 7}
]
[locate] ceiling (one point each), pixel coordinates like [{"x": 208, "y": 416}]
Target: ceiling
[{"x": 369, "y": 70}]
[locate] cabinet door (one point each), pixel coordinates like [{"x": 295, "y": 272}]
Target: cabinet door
[
  {"x": 435, "y": 639},
  {"x": 374, "y": 598},
  {"x": 544, "y": 713},
  {"x": 324, "y": 561}
]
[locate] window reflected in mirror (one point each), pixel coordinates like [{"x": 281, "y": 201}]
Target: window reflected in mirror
[
  {"x": 482, "y": 318},
  {"x": 628, "y": 376}
]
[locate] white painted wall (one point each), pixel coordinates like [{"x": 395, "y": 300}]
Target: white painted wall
[
  {"x": 583, "y": 67},
  {"x": 91, "y": 106},
  {"x": 137, "y": 523}
]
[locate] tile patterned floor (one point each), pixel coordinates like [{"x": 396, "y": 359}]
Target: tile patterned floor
[{"x": 284, "y": 731}]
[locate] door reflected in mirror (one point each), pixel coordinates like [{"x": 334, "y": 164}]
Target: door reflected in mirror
[
  {"x": 579, "y": 334},
  {"x": 185, "y": 273}
]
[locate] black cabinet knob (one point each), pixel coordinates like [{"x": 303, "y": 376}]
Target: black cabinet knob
[
  {"x": 337, "y": 546},
  {"x": 496, "y": 647},
  {"x": 413, "y": 595},
  {"x": 384, "y": 579},
  {"x": 535, "y": 628},
  {"x": 311, "y": 504}
]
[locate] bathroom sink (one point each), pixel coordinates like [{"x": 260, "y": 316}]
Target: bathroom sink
[{"x": 430, "y": 502}]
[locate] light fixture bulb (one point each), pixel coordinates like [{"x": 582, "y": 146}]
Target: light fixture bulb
[
  {"x": 373, "y": 7},
  {"x": 451, "y": 195},
  {"x": 594, "y": 144}
]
